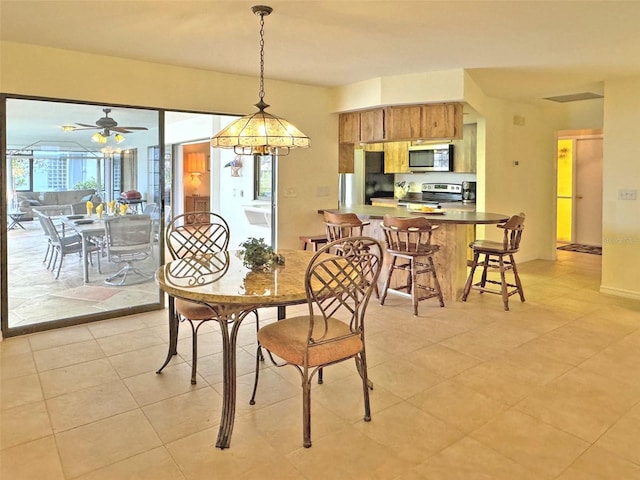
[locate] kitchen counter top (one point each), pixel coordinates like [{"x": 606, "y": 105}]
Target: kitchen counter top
[
  {"x": 406, "y": 200},
  {"x": 448, "y": 217}
]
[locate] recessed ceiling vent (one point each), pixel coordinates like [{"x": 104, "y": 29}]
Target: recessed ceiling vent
[{"x": 574, "y": 97}]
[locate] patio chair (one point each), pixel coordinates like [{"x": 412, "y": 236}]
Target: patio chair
[
  {"x": 128, "y": 240},
  {"x": 62, "y": 246}
]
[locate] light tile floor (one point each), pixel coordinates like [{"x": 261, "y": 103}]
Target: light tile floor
[{"x": 549, "y": 390}]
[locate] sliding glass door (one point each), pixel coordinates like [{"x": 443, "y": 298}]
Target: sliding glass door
[{"x": 58, "y": 156}]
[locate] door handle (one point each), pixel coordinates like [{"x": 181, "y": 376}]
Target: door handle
[{"x": 579, "y": 197}]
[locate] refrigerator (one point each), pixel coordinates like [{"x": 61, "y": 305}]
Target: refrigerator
[{"x": 367, "y": 181}]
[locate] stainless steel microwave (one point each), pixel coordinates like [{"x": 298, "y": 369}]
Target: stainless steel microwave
[{"x": 431, "y": 158}]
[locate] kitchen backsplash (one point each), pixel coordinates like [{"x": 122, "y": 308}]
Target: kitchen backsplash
[{"x": 415, "y": 180}]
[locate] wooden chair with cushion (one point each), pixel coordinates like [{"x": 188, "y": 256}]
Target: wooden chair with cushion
[
  {"x": 411, "y": 249},
  {"x": 338, "y": 290},
  {"x": 498, "y": 256},
  {"x": 187, "y": 235}
]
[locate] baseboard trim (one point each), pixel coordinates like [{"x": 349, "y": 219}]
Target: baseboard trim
[{"x": 619, "y": 292}]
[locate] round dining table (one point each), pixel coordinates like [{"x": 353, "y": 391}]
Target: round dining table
[{"x": 231, "y": 290}]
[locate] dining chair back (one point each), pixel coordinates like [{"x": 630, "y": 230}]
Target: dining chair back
[
  {"x": 338, "y": 289},
  {"x": 128, "y": 240},
  {"x": 409, "y": 243},
  {"x": 196, "y": 232},
  {"x": 498, "y": 255},
  {"x": 193, "y": 234}
]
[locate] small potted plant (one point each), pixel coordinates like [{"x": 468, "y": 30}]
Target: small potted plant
[{"x": 257, "y": 255}]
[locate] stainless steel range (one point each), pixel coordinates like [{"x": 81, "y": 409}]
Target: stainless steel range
[
  {"x": 441, "y": 192},
  {"x": 435, "y": 195}
]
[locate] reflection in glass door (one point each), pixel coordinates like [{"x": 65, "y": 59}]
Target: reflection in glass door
[{"x": 59, "y": 157}]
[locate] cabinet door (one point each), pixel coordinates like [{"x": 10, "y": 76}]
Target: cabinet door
[
  {"x": 349, "y": 127},
  {"x": 442, "y": 121},
  {"x": 346, "y": 157},
  {"x": 372, "y": 125},
  {"x": 396, "y": 157},
  {"x": 404, "y": 123},
  {"x": 464, "y": 152},
  {"x": 373, "y": 147}
]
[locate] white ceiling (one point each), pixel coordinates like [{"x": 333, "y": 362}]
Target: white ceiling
[{"x": 521, "y": 50}]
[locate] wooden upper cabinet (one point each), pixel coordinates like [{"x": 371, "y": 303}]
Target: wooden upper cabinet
[
  {"x": 465, "y": 150},
  {"x": 346, "y": 158},
  {"x": 349, "y": 127},
  {"x": 404, "y": 123},
  {"x": 372, "y": 125},
  {"x": 396, "y": 157},
  {"x": 442, "y": 121}
]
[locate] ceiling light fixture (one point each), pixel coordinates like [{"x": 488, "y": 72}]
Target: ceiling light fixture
[
  {"x": 119, "y": 138},
  {"x": 99, "y": 137},
  {"x": 260, "y": 133}
]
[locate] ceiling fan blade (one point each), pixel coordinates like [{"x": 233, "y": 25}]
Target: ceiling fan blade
[
  {"x": 87, "y": 126},
  {"x": 120, "y": 129},
  {"x": 131, "y": 128}
]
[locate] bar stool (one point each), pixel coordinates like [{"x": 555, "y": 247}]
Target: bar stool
[
  {"x": 494, "y": 257},
  {"x": 342, "y": 225},
  {"x": 409, "y": 240},
  {"x": 313, "y": 241}
]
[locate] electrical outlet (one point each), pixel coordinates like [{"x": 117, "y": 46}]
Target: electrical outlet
[
  {"x": 627, "y": 194},
  {"x": 516, "y": 163},
  {"x": 290, "y": 193}
]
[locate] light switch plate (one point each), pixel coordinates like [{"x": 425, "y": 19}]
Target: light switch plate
[{"x": 627, "y": 194}]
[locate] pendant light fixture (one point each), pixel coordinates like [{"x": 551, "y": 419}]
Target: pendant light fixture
[{"x": 260, "y": 133}]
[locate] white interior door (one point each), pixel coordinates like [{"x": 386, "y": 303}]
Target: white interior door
[{"x": 588, "y": 191}]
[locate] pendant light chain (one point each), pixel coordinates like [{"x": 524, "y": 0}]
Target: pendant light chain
[
  {"x": 261, "y": 93},
  {"x": 260, "y": 133}
]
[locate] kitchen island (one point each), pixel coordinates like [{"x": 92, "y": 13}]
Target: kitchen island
[{"x": 451, "y": 235}]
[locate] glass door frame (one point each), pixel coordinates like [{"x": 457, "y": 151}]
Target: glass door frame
[{"x": 8, "y": 331}]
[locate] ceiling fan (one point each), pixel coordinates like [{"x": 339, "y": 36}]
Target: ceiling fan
[{"x": 107, "y": 125}]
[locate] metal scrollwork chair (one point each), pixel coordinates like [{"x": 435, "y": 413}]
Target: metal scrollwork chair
[
  {"x": 193, "y": 234},
  {"x": 409, "y": 244},
  {"x": 338, "y": 290},
  {"x": 128, "y": 240},
  {"x": 498, "y": 256}
]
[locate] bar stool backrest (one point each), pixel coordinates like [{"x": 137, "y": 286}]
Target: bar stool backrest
[
  {"x": 512, "y": 232},
  {"x": 411, "y": 235},
  {"x": 342, "y": 225}
]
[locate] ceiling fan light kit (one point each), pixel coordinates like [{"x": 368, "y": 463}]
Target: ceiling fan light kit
[
  {"x": 108, "y": 126},
  {"x": 260, "y": 133}
]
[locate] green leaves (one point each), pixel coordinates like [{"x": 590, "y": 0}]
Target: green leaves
[{"x": 257, "y": 255}]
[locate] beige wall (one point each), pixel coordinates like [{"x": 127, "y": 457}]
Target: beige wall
[
  {"x": 621, "y": 223},
  {"x": 48, "y": 72},
  {"x": 312, "y": 173}
]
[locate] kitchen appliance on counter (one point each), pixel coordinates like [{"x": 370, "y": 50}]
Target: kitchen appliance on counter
[
  {"x": 431, "y": 158},
  {"x": 468, "y": 192}
]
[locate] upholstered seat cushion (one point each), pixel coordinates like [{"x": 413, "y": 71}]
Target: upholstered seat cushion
[
  {"x": 490, "y": 246},
  {"x": 288, "y": 340},
  {"x": 194, "y": 310}
]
